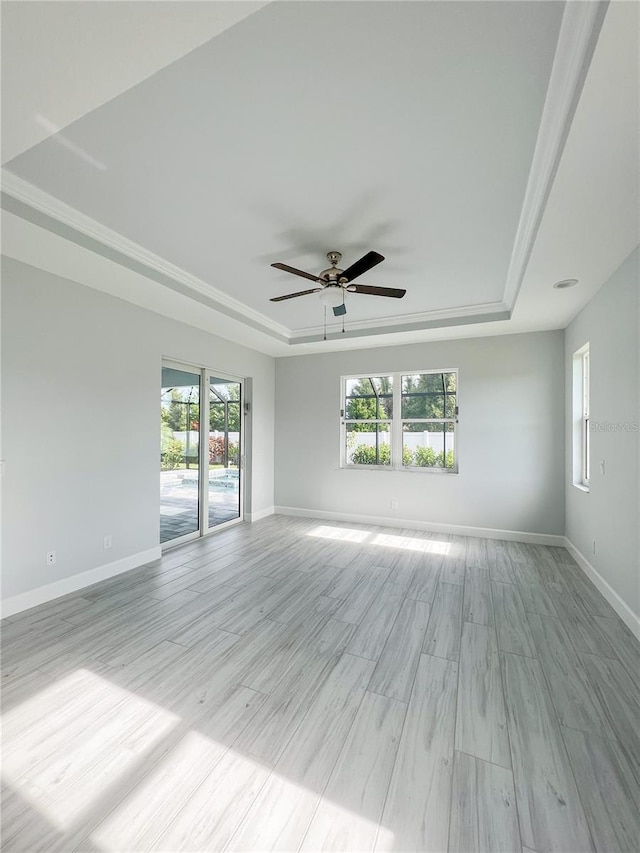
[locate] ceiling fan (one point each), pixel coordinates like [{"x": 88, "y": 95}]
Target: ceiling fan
[{"x": 334, "y": 282}]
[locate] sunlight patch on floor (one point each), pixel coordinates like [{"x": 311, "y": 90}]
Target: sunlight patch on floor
[
  {"x": 196, "y": 799},
  {"x": 281, "y": 814},
  {"x": 165, "y": 792},
  {"x": 411, "y": 543},
  {"x": 334, "y": 828},
  {"x": 342, "y": 534},
  {"x": 67, "y": 748},
  {"x": 63, "y": 747}
]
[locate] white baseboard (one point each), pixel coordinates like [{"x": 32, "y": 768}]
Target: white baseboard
[
  {"x": 43, "y": 594},
  {"x": 432, "y": 527},
  {"x": 630, "y": 619},
  {"x": 262, "y": 513}
]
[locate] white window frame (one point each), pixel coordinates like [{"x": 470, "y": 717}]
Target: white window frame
[
  {"x": 586, "y": 449},
  {"x": 581, "y": 414},
  {"x": 395, "y": 423},
  {"x": 344, "y": 421}
]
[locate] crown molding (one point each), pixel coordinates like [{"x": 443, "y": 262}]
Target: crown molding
[
  {"x": 425, "y": 319},
  {"x": 56, "y": 211},
  {"x": 577, "y": 38},
  {"x": 39, "y": 200},
  {"x": 371, "y": 331}
]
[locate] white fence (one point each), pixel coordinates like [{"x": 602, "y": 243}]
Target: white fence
[{"x": 412, "y": 440}]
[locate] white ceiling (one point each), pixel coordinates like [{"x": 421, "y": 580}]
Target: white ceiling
[
  {"x": 62, "y": 59},
  {"x": 408, "y": 128},
  {"x": 592, "y": 219}
]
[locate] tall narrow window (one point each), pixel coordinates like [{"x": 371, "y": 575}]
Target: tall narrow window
[
  {"x": 585, "y": 417},
  {"x": 581, "y": 418}
]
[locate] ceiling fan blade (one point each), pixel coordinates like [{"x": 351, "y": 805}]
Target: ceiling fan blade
[
  {"x": 365, "y": 263},
  {"x": 293, "y": 295},
  {"x": 293, "y": 270},
  {"x": 393, "y": 292}
]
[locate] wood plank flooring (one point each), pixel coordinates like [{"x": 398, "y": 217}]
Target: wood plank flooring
[{"x": 295, "y": 685}]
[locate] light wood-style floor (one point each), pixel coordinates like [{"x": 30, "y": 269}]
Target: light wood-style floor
[{"x": 303, "y": 685}]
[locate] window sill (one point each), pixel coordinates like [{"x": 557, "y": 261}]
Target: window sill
[
  {"x": 427, "y": 470},
  {"x": 581, "y": 487},
  {"x": 413, "y": 470}
]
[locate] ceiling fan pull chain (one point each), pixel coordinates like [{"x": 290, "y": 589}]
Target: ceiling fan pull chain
[{"x": 325, "y": 324}]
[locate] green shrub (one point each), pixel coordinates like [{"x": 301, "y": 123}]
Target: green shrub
[
  {"x": 173, "y": 454},
  {"x": 365, "y": 455},
  {"x": 407, "y": 457},
  {"x": 426, "y": 457}
]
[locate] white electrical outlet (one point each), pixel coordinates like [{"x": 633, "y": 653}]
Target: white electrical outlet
[
  {"x": 107, "y": 541},
  {"x": 394, "y": 504},
  {"x": 51, "y": 558}
]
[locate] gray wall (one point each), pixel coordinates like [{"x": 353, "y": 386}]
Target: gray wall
[
  {"x": 71, "y": 358},
  {"x": 511, "y": 450},
  {"x": 609, "y": 513}
]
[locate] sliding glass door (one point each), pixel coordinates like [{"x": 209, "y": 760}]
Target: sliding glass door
[
  {"x": 225, "y": 450},
  {"x": 179, "y": 453},
  {"x": 200, "y": 478}
]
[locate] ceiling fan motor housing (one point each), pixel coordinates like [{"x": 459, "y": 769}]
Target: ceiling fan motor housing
[{"x": 332, "y": 274}]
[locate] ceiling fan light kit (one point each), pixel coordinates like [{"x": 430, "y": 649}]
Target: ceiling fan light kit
[
  {"x": 332, "y": 296},
  {"x": 334, "y": 282}
]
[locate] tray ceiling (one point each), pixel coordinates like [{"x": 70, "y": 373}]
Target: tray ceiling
[{"x": 408, "y": 128}]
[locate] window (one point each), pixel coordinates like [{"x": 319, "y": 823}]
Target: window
[
  {"x": 429, "y": 412},
  {"x": 368, "y": 416},
  {"x": 585, "y": 418},
  {"x": 581, "y": 415},
  {"x": 401, "y": 421}
]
